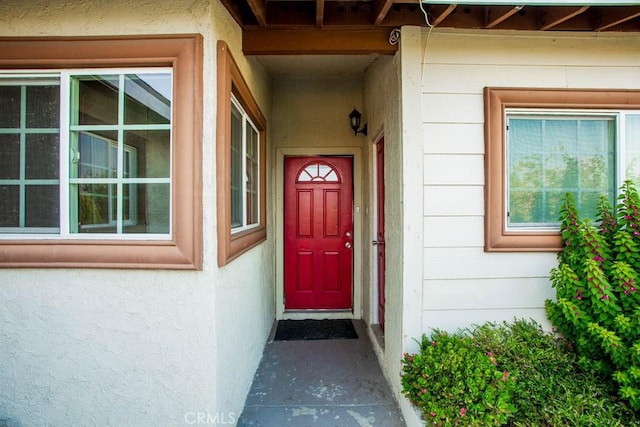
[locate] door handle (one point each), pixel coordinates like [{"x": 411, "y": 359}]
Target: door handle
[
  {"x": 347, "y": 245},
  {"x": 378, "y": 242}
]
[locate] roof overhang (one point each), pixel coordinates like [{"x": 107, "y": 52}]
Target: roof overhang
[
  {"x": 541, "y": 3},
  {"x": 354, "y": 27}
]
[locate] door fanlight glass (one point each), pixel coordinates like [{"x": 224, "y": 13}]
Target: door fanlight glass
[{"x": 318, "y": 172}]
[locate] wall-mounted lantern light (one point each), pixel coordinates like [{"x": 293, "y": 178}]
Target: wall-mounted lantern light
[{"x": 354, "y": 118}]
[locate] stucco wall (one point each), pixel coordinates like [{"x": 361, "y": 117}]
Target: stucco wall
[
  {"x": 123, "y": 347},
  {"x": 313, "y": 111},
  {"x": 244, "y": 310},
  {"x": 382, "y": 100},
  {"x": 461, "y": 283}
]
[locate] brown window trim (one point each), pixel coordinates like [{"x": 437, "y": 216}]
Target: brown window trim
[
  {"x": 496, "y": 101},
  {"x": 230, "y": 80},
  {"x": 184, "y": 54}
]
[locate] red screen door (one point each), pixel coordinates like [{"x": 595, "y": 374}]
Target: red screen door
[
  {"x": 379, "y": 242},
  {"x": 318, "y": 233}
]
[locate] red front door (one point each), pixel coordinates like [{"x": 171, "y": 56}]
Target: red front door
[
  {"x": 318, "y": 233},
  {"x": 379, "y": 242}
]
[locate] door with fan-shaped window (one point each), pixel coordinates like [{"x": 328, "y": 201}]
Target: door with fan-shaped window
[{"x": 318, "y": 233}]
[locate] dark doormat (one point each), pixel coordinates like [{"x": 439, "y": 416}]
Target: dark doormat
[{"x": 298, "y": 330}]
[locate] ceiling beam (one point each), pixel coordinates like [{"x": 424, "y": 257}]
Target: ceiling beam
[
  {"x": 380, "y": 10},
  {"x": 319, "y": 13},
  {"x": 259, "y": 10},
  {"x": 234, "y": 10},
  {"x": 438, "y": 19},
  {"x": 552, "y": 17},
  {"x": 314, "y": 41},
  {"x": 617, "y": 17},
  {"x": 496, "y": 15}
]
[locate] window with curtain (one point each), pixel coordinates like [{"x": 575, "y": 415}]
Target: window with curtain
[
  {"x": 550, "y": 154},
  {"x": 541, "y": 143}
]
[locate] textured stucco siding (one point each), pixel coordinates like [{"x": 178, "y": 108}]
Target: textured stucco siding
[
  {"x": 126, "y": 347},
  {"x": 382, "y": 96}
]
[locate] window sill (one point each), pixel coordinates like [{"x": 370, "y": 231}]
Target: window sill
[{"x": 95, "y": 254}]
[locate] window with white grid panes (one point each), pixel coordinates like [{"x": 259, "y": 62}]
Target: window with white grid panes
[
  {"x": 86, "y": 152},
  {"x": 29, "y": 154},
  {"x": 244, "y": 170}
]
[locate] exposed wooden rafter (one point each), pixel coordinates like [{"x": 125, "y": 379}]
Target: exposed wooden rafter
[
  {"x": 234, "y": 9},
  {"x": 496, "y": 15},
  {"x": 553, "y": 17},
  {"x": 319, "y": 13},
  {"x": 259, "y": 10},
  {"x": 617, "y": 17},
  {"x": 437, "y": 20},
  {"x": 381, "y": 9}
]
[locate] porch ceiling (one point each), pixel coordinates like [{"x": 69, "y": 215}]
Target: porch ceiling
[{"x": 293, "y": 27}]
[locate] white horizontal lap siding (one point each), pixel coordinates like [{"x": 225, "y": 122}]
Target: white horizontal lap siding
[
  {"x": 473, "y": 263},
  {"x": 534, "y": 49},
  {"x": 463, "y": 138},
  {"x": 453, "y": 200},
  {"x": 461, "y": 283},
  {"x": 453, "y": 231},
  {"x": 481, "y": 294}
]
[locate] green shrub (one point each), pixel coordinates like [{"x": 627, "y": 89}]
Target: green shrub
[
  {"x": 551, "y": 390},
  {"x": 544, "y": 384},
  {"x": 597, "y": 300},
  {"x": 455, "y": 383}
]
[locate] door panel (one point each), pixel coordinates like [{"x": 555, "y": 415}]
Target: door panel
[{"x": 318, "y": 233}]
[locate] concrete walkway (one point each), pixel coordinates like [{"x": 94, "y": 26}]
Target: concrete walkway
[{"x": 321, "y": 383}]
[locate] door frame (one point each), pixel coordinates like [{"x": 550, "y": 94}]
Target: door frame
[
  {"x": 375, "y": 221},
  {"x": 358, "y": 211}
]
